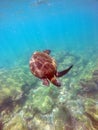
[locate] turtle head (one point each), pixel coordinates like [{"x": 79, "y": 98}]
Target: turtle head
[
  {"x": 47, "y": 51},
  {"x": 54, "y": 81}
]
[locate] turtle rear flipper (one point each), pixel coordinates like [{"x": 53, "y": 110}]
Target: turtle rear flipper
[
  {"x": 60, "y": 74},
  {"x": 45, "y": 82},
  {"x": 54, "y": 81}
]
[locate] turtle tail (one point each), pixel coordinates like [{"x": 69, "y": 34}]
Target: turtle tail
[
  {"x": 54, "y": 81},
  {"x": 60, "y": 74}
]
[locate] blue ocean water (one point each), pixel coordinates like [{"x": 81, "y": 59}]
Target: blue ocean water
[
  {"x": 29, "y": 25},
  {"x": 70, "y": 29}
]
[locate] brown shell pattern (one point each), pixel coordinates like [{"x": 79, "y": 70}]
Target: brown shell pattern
[{"x": 42, "y": 65}]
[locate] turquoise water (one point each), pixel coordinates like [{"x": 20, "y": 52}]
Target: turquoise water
[
  {"x": 69, "y": 28},
  {"x": 34, "y": 25}
]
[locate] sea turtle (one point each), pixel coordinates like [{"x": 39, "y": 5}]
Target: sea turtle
[{"x": 43, "y": 66}]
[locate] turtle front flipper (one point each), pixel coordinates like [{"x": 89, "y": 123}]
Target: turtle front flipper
[
  {"x": 54, "y": 81},
  {"x": 60, "y": 74}
]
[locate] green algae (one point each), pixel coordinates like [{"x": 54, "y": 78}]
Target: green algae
[
  {"x": 16, "y": 123},
  {"x": 12, "y": 80},
  {"x": 41, "y": 99},
  {"x": 44, "y": 101}
]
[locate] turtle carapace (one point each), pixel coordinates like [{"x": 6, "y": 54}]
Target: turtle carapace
[{"x": 43, "y": 66}]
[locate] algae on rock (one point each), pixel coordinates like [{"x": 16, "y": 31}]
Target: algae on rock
[
  {"x": 41, "y": 100},
  {"x": 16, "y": 123}
]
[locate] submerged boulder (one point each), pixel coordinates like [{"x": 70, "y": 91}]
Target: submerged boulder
[
  {"x": 41, "y": 100},
  {"x": 95, "y": 76},
  {"x": 91, "y": 112},
  {"x": 16, "y": 123},
  {"x": 88, "y": 87}
]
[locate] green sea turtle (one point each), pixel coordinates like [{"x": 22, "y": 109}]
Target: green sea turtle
[{"x": 43, "y": 66}]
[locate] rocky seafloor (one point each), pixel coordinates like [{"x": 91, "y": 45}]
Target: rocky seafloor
[{"x": 25, "y": 104}]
